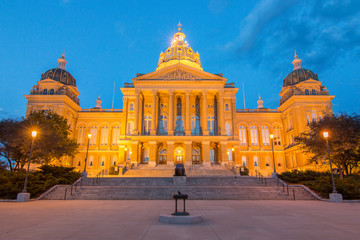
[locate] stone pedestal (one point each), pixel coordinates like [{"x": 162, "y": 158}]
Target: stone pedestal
[
  {"x": 274, "y": 175},
  {"x": 336, "y": 197},
  {"x": 179, "y": 180},
  {"x": 191, "y": 219},
  {"x": 152, "y": 164},
  {"x": 171, "y": 164},
  {"x": 84, "y": 174},
  {"x": 23, "y": 197}
]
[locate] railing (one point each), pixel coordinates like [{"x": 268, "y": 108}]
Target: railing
[
  {"x": 44, "y": 195},
  {"x": 73, "y": 188},
  {"x": 260, "y": 178},
  {"x": 98, "y": 177},
  {"x": 285, "y": 188}
]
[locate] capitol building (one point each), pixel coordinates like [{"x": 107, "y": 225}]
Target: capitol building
[{"x": 180, "y": 113}]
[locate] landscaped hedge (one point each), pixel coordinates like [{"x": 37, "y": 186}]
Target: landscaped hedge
[
  {"x": 321, "y": 183},
  {"x": 12, "y": 183}
]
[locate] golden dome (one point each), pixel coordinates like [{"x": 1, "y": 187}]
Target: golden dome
[{"x": 179, "y": 52}]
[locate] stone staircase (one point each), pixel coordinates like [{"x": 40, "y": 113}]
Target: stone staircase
[{"x": 198, "y": 188}]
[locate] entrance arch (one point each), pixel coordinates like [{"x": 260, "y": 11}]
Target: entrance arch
[{"x": 179, "y": 155}]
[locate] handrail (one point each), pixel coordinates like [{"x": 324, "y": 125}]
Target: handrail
[
  {"x": 98, "y": 177},
  {"x": 45, "y": 194},
  {"x": 281, "y": 183},
  {"x": 75, "y": 186},
  {"x": 260, "y": 178}
]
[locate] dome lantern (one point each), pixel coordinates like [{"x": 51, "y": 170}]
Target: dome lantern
[
  {"x": 62, "y": 62},
  {"x": 296, "y": 62}
]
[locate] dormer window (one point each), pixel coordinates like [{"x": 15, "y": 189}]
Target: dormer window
[
  {"x": 313, "y": 92},
  {"x": 307, "y": 92},
  {"x": 52, "y": 91},
  {"x": 45, "y": 92}
]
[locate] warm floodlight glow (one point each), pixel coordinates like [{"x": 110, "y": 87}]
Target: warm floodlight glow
[
  {"x": 271, "y": 136},
  {"x": 33, "y": 134},
  {"x": 227, "y": 152},
  {"x": 125, "y": 149},
  {"x": 232, "y": 149},
  {"x": 89, "y": 135},
  {"x": 326, "y": 134}
]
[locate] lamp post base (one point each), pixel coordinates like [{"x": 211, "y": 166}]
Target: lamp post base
[
  {"x": 336, "y": 197},
  {"x": 274, "y": 175},
  {"x": 23, "y": 197},
  {"x": 84, "y": 174}
]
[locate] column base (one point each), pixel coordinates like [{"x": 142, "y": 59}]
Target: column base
[
  {"x": 170, "y": 133},
  {"x": 335, "y": 197},
  {"x": 23, "y": 197},
  {"x": 152, "y": 133},
  {"x": 188, "y": 132}
]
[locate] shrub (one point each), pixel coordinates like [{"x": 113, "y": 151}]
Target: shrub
[
  {"x": 244, "y": 171},
  {"x": 12, "y": 183}
]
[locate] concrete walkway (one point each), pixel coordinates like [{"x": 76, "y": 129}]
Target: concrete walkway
[{"x": 139, "y": 220}]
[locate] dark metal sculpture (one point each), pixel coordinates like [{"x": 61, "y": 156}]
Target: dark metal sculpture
[
  {"x": 179, "y": 170},
  {"x": 183, "y": 197}
]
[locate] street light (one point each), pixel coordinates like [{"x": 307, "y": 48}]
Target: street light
[
  {"x": 87, "y": 151},
  {"x": 326, "y": 136},
  {"x": 25, "y": 196},
  {"x": 273, "y": 155}
]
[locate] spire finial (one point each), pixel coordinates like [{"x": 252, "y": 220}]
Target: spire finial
[
  {"x": 296, "y": 62},
  {"x": 179, "y": 26},
  {"x": 260, "y": 103},
  {"x": 98, "y": 103},
  {"x": 62, "y": 61}
]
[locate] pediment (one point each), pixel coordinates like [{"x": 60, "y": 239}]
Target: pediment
[{"x": 179, "y": 72}]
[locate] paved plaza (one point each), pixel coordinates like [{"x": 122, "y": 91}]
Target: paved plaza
[{"x": 139, "y": 220}]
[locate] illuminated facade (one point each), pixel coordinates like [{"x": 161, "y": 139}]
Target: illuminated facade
[{"x": 182, "y": 114}]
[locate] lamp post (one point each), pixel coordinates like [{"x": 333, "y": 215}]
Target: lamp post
[
  {"x": 273, "y": 154},
  {"x": 334, "y": 196},
  {"x": 25, "y": 196},
  {"x": 84, "y": 173}
]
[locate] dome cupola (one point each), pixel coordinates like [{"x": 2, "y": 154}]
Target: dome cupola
[
  {"x": 298, "y": 74},
  {"x": 60, "y": 74},
  {"x": 179, "y": 52}
]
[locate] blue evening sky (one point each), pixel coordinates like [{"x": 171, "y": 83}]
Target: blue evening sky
[{"x": 250, "y": 42}]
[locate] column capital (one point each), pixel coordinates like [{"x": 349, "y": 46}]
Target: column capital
[
  {"x": 125, "y": 99},
  {"x": 221, "y": 92},
  {"x": 187, "y": 92},
  {"x": 137, "y": 91},
  {"x": 154, "y": 91},
  {"x": 188, "y": 142},
  {"x": 171, "y": 92},
  {"x": 204, "y": 92}
]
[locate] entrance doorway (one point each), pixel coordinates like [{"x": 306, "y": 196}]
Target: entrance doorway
[
  {"x": 162, "y": 156},
  {"x": 196, "y": 156},
  {"x": 179, "y": 155}
]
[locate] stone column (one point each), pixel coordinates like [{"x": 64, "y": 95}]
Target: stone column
[
  {"x": 153, "y": 114},
  {"x": 188, "y": 154},
  {"x": 238, "y": 156},
  {"x": 224, "y": 156},
  {"x": 171, "y": 113},
  {"x": 204, "y": 116},
  {"x": 221, "y": 113},
  {"x": 170, "y": 153},
  {"x": 134, "y": 153},
  {"x": 152, "y": 153},
  {"x": 205, "y": 150},
  {"x": 121, "y": 156},
  {"x": 136, "y": 120},
  {"x": 233, "y": 112},
  {"x": 141, "y": 113},
  {"x": 187, "y": 114},
  {"x": 123, "y": 130}
]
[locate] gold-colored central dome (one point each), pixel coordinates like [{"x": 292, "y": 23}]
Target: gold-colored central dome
[{"x": 179, "y": 52}]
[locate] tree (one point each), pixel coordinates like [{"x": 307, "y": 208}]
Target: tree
[
  {"x": 344, "y": 141},
  {"x": 52, "y": 141}
]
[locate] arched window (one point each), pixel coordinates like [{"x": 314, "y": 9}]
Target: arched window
[
  {"x": 256, "y": 161},
  {"x": 195, "y": 120},
  {"x": 179, "y": 128},
  {"x": 243, "y": 160},
  {"x": 104, "y": 135},
  {"x": 307, "y": 92},
  {"x": 230, "y": 155},
  {"x": 93, "y": 132},
  {"x": 242, "y": 135},
  {"x": 130, "y": 128},
  {"x": 228, "y": 129},
  {"x": 211, "y": 125},
  {"x": 52, "y": 91},
  {"x": 162, "y": 156},
  {"x": 196, "y": 156},
  {"x": 146, "y": 155},
  {"x": 313, "y": 92},
  {"x": 227, "y": 108},
  {"x": 114, "y": 160},
  {"x": 115, "y": 135},
  {"x": 131, "y": 106},
  {"x": 102, "y": 161},
  {"x": 265, "y": 135},
  {"x": 254, "y": 135},
  {"x": 212, "y": 155},
  {"x": 163, "y": 125},
  {"x": 313, "y": 116},
  {"x": 45, "y": 92},
  {"x": 147, "y": 124},
  {"x": 81, "y": 135},
  {"x": 91, "y": 160},
  {"x": 277, "y": 136}
]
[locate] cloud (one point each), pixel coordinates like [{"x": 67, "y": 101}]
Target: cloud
[{"x": 321, "y": 31}]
